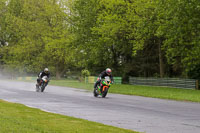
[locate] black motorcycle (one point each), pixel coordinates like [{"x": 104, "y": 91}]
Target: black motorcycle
[{"x": 43, "y": 83}]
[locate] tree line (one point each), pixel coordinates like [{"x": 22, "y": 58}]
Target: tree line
[{"x": 159, "y": 38}]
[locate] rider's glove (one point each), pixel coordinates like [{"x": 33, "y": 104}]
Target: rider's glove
[{"x": 99, "y": 79}]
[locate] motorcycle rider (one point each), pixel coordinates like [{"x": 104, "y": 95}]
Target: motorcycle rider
[
  {"x": 107, "y": 72},
  {"x": 43, "y": 73}
]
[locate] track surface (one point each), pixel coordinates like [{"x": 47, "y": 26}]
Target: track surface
[{"x": 131, "y": 112}]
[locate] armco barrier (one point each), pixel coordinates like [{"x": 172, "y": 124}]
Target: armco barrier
[
  {"x": 169, "y": 82},
  {"x": 90, "y": 79},
  {"x": 26, "y": 78},
  {"x": 93, "y": 79},
  {"x": 117, "y": 80}
]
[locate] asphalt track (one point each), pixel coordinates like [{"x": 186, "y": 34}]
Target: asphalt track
[{"x": 131, "y": 112}]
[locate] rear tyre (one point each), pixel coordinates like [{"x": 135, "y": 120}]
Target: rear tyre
[
  {"x": 95, "y": 92},
  {"x": 37, "y": 88}
]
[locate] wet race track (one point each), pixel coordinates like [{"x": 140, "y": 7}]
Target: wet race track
[{"x": 131, "y": 112}]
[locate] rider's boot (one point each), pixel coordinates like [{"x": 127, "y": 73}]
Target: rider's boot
[
  {"x": 101, "y": 88},
  {"x": 37, "y": 85}
]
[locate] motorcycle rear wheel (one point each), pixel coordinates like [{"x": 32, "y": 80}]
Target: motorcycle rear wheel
[
  {"x": 37, "y": 88},
  {"x": 95, "y": 92}
]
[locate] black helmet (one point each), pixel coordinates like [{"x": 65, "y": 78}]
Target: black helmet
[{"x": 108, "y": 71}]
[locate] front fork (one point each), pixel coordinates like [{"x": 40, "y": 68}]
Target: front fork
[{"x": 99, "y": 89}]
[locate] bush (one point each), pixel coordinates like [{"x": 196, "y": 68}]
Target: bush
[{"x": 85, "y": 73}]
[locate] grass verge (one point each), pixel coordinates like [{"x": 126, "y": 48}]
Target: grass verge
[
  {"x": 147, "y": 91},
  {"x": 17, "y": 118}
]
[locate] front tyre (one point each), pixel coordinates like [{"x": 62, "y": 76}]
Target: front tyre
[
  {"x": 42, "y": 89},
  {"x": 43, "y": 85},
  {"x": 104, "y": 93}
]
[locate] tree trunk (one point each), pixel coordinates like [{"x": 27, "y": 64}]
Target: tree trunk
[
  {"x": 58, "y": 75},
  {"x": 59, "y": 71},
  {"x": 160, "y": 59},
  {"x": 115, "y": 57}
]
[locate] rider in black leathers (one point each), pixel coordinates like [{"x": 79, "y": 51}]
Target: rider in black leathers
[
  {"x": 102, "y": 75},
  {"x": 42, "y": 74}
]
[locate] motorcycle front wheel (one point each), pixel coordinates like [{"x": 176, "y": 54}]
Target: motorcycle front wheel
[
  {"x": 43, "y": 85},
  {"x": 42, "y": 88},
  {"x": 104, "y": 93}
]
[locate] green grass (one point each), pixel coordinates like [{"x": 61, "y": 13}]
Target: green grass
[
  {"x": 147, "y": 91},
  {"x": 17, "y": 118}
]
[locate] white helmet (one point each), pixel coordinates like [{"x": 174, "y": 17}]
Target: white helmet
[
  {"x": 108, "y": 71},
  {"x": 46, "y": 70}
]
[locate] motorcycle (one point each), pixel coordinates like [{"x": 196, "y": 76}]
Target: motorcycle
[
  {"x": 102, "y": 89},
  {"x": 43, "y": 83}
]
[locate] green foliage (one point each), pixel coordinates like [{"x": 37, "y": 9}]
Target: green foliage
[
  {"x": 194, "y": 72},
  {"x": 139, "y": 37},
  {"x": 85, "y": 73},
  {"x": 40, "y": 36},
  {"x": 112, "y": 31},
  {"x": 83, "y": 16},
  {"x": 181, "y": 30},
  {"x": 3, "y": 36}
]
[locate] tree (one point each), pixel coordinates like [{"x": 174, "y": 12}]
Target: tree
[
  {"x": 3, "y": 11},
  {"x": 40, "y": 36},
  {"x": 181, "y": 30},
  {"x": 83, "y": 15},
  {"x": 145, "y": 32}
]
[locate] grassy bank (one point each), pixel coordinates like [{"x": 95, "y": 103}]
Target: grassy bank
[
  {"x": 17, "y": 118},
  {"x": 147, "y": 91}
]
